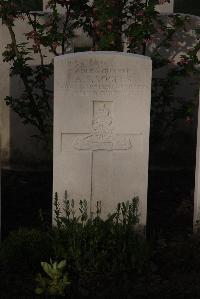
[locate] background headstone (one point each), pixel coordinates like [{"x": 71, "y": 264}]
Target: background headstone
[
  {"x": 101, "y": 128},
  {"x": 16, "y": 142},
  {"x": 165, "y": 7},
  {"x": 4, "y": 91},
  {"x": 172, "y": 127}
]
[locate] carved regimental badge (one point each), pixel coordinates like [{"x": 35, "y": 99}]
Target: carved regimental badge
[{"x": 103, "y": 136}]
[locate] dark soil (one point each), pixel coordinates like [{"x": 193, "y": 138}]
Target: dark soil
[
  {"x": 170, "y": 202},
  {"x": 25, "y": 194}
]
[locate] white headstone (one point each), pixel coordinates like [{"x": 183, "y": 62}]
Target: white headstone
[
  {"x": 101, "y": 128},
  {"x": 165, "y": 6}
]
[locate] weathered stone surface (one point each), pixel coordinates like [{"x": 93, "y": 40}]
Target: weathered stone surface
[
  {"x": 101, "y": 128},
  {"x": 165, "y": 7}
]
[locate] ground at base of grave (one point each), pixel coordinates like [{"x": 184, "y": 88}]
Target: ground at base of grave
[{"x": 170, "y": 200}]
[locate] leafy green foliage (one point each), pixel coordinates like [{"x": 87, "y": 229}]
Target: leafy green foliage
[
  {"x": 57, "y": 280},
  {"x": 82, "y": 248},
  {"x": 91, "y": 245},
  {"x": 168, "y": 105},
  {"x": 95, "y": 258},
  {"x": 52, "y": 32}
]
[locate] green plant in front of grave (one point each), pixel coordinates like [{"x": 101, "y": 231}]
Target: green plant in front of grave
[
  {"x": 92, "y": 248},
  {"x": 56, "y": 281},
  {"x": 92, "y": 245},
  {"x": 84, "y": 250}
]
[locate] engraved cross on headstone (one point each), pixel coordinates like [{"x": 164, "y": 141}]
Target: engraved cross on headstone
[{"x": 102, "y": 137}]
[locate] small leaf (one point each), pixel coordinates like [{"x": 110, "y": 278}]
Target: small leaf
[
  {"x": 55, "y": 265},
  {"x": 62, "y": 265},
  {"x": 47, "y": 268},
  {"x": 39, "y": 291}
]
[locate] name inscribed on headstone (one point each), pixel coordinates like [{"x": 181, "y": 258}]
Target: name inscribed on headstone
[{"x": 96, "y": 77}]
